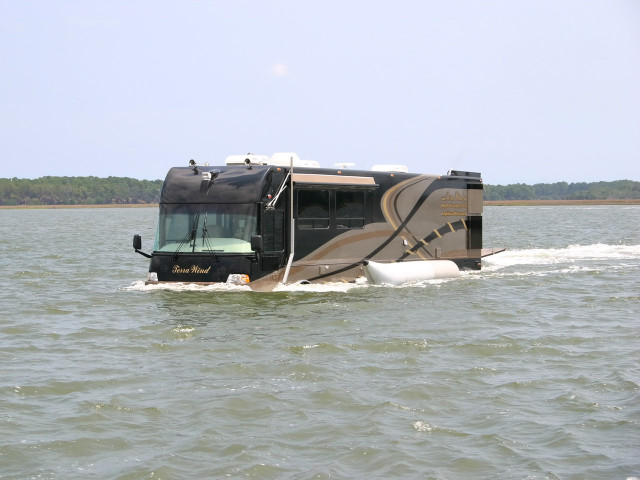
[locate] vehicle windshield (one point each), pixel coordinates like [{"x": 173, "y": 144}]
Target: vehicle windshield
[{"x": 206, "y": 228}]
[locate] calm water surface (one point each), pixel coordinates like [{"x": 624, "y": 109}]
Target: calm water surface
[{"x": 528, "y": 369}]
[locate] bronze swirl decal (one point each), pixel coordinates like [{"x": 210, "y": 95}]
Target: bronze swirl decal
[{"x": 438, "y": 233}]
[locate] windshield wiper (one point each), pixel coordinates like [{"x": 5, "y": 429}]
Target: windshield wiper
[
  {"x": 189, "y": 237},
  {"x": 205, "y": 238}
]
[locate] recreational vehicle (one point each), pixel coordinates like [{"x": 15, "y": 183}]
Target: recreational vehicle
[{"x": 263, "y": 221}]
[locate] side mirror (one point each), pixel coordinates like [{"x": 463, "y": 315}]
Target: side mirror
[
  {"x": 256, "y": 243},
  {"x": 137, "y": 245}
]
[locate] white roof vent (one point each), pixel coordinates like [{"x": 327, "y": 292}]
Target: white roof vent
[
  {"x": 281, "y": 159},
  {"x": 284, "y": 159},
  {"x": 344, "y": 165},
  {"x": 248, "y": 159},
  {"x": 390, "y": 168}
]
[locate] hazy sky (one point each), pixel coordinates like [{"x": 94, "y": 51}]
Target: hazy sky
[{"x": 521, "y": 90}]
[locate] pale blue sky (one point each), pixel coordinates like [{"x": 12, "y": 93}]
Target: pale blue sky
[{"x": 522, "y": 91}]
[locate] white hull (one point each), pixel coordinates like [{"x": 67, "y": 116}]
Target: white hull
[{"x": 406, "y": 272}]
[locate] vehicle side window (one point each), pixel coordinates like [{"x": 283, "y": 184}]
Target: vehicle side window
[
  {"x": 313, "y": 209},
  {"x": 349, "y": 209}
]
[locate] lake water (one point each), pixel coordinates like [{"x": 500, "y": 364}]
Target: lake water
[{"x": 527, "y": 369}]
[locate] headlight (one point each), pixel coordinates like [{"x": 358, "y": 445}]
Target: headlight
[{"x": 238, "y": 278}]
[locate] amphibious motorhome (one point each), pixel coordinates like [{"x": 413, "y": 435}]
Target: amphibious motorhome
[{"x": 262, "y": 221}]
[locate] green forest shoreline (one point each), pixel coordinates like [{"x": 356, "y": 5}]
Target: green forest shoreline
[{"x": 52, "y": 192}]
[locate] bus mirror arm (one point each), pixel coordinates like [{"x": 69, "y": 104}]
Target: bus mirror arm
[{"x": 137, "y": 245}]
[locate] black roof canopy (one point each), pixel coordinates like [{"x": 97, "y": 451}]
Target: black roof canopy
[{"x": 230, "y": 184}]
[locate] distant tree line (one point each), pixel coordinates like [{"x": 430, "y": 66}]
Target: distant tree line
[
  {"x": 123, "y": 190},
  {"x": 78, "y": 191},
  {"x": 619, "y": 189}
]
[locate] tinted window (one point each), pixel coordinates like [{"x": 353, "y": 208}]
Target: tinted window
[
  {"x": 210, "y": 227},
  {"x": 350, "y": 209},
  {"x": 313, "y": 209}
]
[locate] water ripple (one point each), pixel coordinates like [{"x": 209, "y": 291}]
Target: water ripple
[{"x": 526, "y": 369}]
